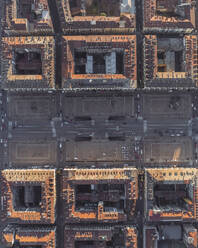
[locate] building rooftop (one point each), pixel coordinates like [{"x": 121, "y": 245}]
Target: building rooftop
[
  {"x": 26, "y": 16},
  {"x": 80, "y": 237},
  {"x": 99, "y": 61},
  {"x": 99, "y": 123},
  {"x": 171, "y": 194},
  {"x": 167, "y": 16},
  {"x": 170, "y": 61},
  {"x": 91, "y": 15},
  {"x": 172, "y": 235},
  {"x": 28, "y": 62},
  {"x": 25, "y": 195},
  {"x": 100, "y": 194}
]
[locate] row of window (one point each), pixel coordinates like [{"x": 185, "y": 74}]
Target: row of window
[
  {"x": 27, "y": 199},
  {"x": 164, "y": 59},
  {"x": 94, "y": 14}
]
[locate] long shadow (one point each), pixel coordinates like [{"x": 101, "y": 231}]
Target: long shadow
[
  {"x": 58, "y": 79},
  {"x": 139, "y": 37},
  {"x": 58, "y": 47}
]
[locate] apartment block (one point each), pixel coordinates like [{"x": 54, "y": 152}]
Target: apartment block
[
  {"x": 25, "y": 17},
  {"x": 30, "y": 237},
  {"x": 78, "y": 16},
  {"x": 171, "y": 194},
  {"x": 170, "y": 61},
  {"x": 100, "y": 236},
  {"x": 173, "y": 235},
  {"x": 99, "y": 61},
  {"x": 103, "y": 195},
  {"x": 169, "y": 16},
  {"x": 28, "y": 62},
  {"x": 28, "y": 195}
]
